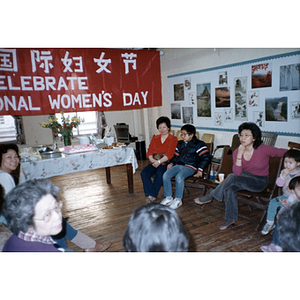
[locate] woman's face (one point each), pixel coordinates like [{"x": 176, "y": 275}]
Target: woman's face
[
  {"x": 47, "y": 217},
  {"x": 10, "y": 161},
  {"x": 163, "y": 128},
  {"x": 246, "y": 137}
]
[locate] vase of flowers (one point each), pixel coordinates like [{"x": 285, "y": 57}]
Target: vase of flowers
[{"x": 64, "y": 128}]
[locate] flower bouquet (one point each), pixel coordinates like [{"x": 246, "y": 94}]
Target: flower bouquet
[{"x": 64, "y": 128}]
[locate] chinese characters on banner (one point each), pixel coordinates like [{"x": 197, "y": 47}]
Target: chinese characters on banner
[{"x": 45, "y": 81}]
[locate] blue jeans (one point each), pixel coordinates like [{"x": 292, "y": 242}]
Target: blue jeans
[
  {"x": 152, "y": 188},
  {"x": 180, "y": 172},
  {"x": 232, "y": 184},
  {"x": 273, "y": 206}
]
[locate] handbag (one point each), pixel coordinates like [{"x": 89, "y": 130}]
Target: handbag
[{"x": 158, "y": 156}]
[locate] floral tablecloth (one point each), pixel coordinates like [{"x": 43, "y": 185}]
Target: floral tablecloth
[{"x": 66, "y": 164}]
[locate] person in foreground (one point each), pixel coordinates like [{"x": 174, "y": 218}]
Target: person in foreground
[
  {"x": 155, "y": 228},
  {"x": 161, "y": 150},
  {"x": 191, "y": 155},
  {"x": 9, "y": 162},
  {"x": 33, "y": 214},
  {"x": 291, "y": 169},
  {"x": 286, "y": 234},
  {"x": 250, "y": 171}
]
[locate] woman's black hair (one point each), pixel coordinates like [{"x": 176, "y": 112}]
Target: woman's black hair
[
  {"x": 256, "y": 132},
  {"x": 163, "y": 119}
]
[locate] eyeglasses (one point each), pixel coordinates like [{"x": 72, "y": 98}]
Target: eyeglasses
[
  {"x": 245, "y": 135},
  {"x": 48, "y": 215}
]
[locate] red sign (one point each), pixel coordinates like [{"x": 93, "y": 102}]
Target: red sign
[{"x": 45, "y": 81}]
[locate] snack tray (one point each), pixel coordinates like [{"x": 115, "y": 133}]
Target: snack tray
[{"x": 76, "y": 149}]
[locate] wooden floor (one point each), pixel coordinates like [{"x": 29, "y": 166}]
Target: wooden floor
[{"x": 102, "y": 212}]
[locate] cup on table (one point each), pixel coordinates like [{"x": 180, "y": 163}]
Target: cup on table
[{"x": 221, "y": 177}]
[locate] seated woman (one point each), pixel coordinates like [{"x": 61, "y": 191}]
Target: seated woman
[
  {"x": 9, "y": 162},
  {"x": 33, "y": 214},
  {"x": 250, "y": 171},
  {"x": 155, "y": 228},
  {"x": 161, "y": 150}
]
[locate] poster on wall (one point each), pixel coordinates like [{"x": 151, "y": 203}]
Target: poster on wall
[
  {"x": 203, "y": 100},
  {"x": 218, "y": 118},
  {"x": 175, "y": 111},
  {"x": 261, "y": 75},
  {"x": 187, "y": 115},
  {"x": 223, "y": 78},
  {"x": 290, "y": 77},
  {"x": 37, "y": 81},
  {"x": 253, "y": 98},
  {"x": 228, "y": 115},
  {"x": 295, "y": 106},
  {"x": 178, "y": 92},
  {"x": 240, "y": 98},
  {"x": 276, "y": 109},
  {"x": 222, "y": 97},
  {"x": 259, "y": 118}
]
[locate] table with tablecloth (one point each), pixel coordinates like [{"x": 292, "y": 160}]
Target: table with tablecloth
[{"x": 71, "y": 163}]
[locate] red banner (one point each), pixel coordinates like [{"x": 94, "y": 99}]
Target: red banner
[{"x": 45, "y": 81}]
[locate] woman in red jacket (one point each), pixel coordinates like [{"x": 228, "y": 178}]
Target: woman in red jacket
[{"x": 161, "y": 150}]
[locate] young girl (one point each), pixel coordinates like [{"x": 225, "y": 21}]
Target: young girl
[
  {"x": 286, "y": 233},
  {"x": 291, "y": 169}
]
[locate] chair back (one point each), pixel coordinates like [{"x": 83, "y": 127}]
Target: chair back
[
  {"x": 235, "y": 143},
  {"x": 208, "y": 138},
  {"x": 293, "y": 145},
  {"x": 275, "y": 166},
  {"x": 269, "y": 138},
  {"x": 226, "y": 161},
  {"x": 172, "y": 131}
]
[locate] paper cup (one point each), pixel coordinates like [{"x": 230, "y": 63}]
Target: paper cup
[{"x": 221, "y": 177}]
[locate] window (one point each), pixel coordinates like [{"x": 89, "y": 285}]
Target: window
[
  {"x": 90, "y": 122},
  {"x": 8, "y": 130}
]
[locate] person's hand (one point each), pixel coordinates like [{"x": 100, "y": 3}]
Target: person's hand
[
  {"x": 241, "y": 151},
  {"x": 285, "y": 173},
  {"x": 198, "y": 174},
  {"x": 155, "y": 164},
  {"x": 283, "y": 202},
  {"x": 169, "y": 166}
]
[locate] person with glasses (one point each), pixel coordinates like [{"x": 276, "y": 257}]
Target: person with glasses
[
  {"x": 250, "y": 171},
  {"x": 191, "y": 158},
  {"x": 9, "y": 163},
  {"x": 34, "y": 215}
]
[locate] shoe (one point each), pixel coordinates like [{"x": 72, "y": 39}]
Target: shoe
[
  {"x": 271, "y": 248},
  {"x": 176, "y": 203},
  {"x": 227, "y": 224},
  {"x": 151, "y": 199},
  {"x": 167, "y": 201},
  {"x": 267, "y": 228},
  {"x": 204, "y": 200},
  {"x": 99, "y": 247}
]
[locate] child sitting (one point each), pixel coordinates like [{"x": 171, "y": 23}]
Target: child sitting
[
  {"x": 291, "y": 169},
  {"x": 283, "y": 233},
  {"x": 191, "y": 155}
]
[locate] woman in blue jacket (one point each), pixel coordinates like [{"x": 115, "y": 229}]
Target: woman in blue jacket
[{"x": 191, "y": 155}]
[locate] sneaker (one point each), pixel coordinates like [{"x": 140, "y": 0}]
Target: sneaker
[
  {"x": 176, "y": 203},
  {"x": 267, "y": 228},
  {"x": 271, "y": 248},
  {"x": 167, "y": 201}
]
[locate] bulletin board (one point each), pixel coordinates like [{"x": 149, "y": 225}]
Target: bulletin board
[{"x": 265, "y": 91}]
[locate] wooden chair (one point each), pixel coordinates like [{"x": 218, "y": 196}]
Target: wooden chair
[
  {"x": 293, "y": 145},
  {"x": 172, "y": 131}
]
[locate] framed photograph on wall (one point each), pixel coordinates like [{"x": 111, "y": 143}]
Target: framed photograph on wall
[
  {"x": 295, "y": 110},
  {"x": 223, "y": 78},
  {"x": 187, "y": 115},
  {"x": 178, "y": 92},
  {"x": 203, "y": 92},
  {"x": 261, "y": 76},
  {"x": 259, "y": 118},
  {"x": 276, "y": 109},
  {"x": 240, "y": 92},
  {"x": 175, "y": 111},
  {"x": 222, "y": 97},
  {"x": 253, "y": 98},
  {"x": 290, "y": 77}
]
